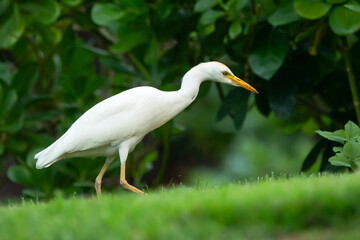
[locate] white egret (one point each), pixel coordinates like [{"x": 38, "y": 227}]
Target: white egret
[{"x": 117, "y": 124}]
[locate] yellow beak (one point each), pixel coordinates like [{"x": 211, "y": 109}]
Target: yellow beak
[{"x": 238, "y": 82}]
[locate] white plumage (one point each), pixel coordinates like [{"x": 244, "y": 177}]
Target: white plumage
[{"x": 115, "y": 125}]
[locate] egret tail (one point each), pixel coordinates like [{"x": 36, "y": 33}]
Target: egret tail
[
  {"x": 48, "y": 156},
  {"x": 44, "y": 158}
]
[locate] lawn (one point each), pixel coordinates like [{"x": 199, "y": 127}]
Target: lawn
[{"x": 317, "y": 207}]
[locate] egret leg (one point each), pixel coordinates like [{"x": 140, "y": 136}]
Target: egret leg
[
  {"x": 125, "y": 184},
  {"x": 99, "y": 178}
]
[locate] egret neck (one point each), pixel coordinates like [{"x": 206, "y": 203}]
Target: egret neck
[{"x": 191, "y": 83}]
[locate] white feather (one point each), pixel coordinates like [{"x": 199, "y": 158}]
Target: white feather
[{"x": 122, "y": 120}]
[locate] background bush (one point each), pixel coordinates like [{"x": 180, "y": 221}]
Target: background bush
[{"x": 59, "y": 58}]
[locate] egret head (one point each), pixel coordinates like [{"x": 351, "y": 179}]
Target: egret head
[{"x": 221, "y": 73}]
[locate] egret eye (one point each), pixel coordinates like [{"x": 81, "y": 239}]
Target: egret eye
[{"x": 226, "y": 73}]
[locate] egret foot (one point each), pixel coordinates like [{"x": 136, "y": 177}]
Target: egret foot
[
  {"x": 125, "y": 184},
  {"x": 99, "y": 178}
]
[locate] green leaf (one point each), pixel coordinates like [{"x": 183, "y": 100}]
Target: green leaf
[
  {"x": 210, "y": 16},
  {"x": 241, "y": 109},
  {"x": 311, "y": 9},
  {"x": 21, "y": 175},
  {"x": 235, "y": 29},
  {"x": 236, "y": 102},
  {"x": 18, "y": 146},
  {"x": 11, "y": 29},
  {"x": 357, "y": 161},
  {"x": 327, "y": 153},
  {"x": 240, "y": 4},
  {"x": 8, "y": 101},
  {"x": 352, "y": 130},
  {"x": 43, "y": 11},
  {"x": 337, "y": 136},
  {"x": 266, "y": 7},
  {"x": 262, "y": 102},
  {"x": 340, "y": 160},
  {"x": 113, "y": 64},
  {"x": 335, "y": 1},
  {"x": 128, "y": 39},
  {"x": 344, "y": 21},
  {"x": 308, "y": 32},
  {"x": 268, "y": 54},
  {"x": 203, "y": 5},
  {"x": 51, "y": 35},
  {"x": 105, "y": 13},
  {"x": 353, "y": 5},
  {"x": 4, "y": 4},
  {"x": 5, "y": 73},
  {"x": 206, "y": 30},
  {"x": 71, "y": 3},
  {"x": 352, "y": 149},
  {"x": 281, "y": 99},
  {"x": 25, "y": 78},
  {"x": 313, "y": 155},
  {"x": 31, "y": 100},
  {"x": 134, "y": 6},
  {"x": 163, "y": 8},
  {"x": 15, "y": 125},
  {"x": 38, "y": 119},
  {"x": 284, "y": 14},
  {"x": 234, "y": 5},
  {"x": 338, "y": 149},
  {"x": 153, "y": 53},
  {"x": 145, "y": 166},
  {"x": 95, "y": 50}
]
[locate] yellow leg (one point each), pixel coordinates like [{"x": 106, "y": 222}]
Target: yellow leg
[
  {"x": 125, "y": 184},
  {"x": 99, "y": 178}
]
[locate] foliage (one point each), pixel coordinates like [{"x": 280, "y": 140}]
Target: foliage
[
  {"x": 348, "y": 154},
  {"x": 58, "y": 58},
  {"x": 271, "y": 208}
]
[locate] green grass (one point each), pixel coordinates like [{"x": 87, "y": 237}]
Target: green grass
[{"x": 326, "y": 207}]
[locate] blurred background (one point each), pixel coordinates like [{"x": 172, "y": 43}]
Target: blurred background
[{"x": 59, "y": 58}]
